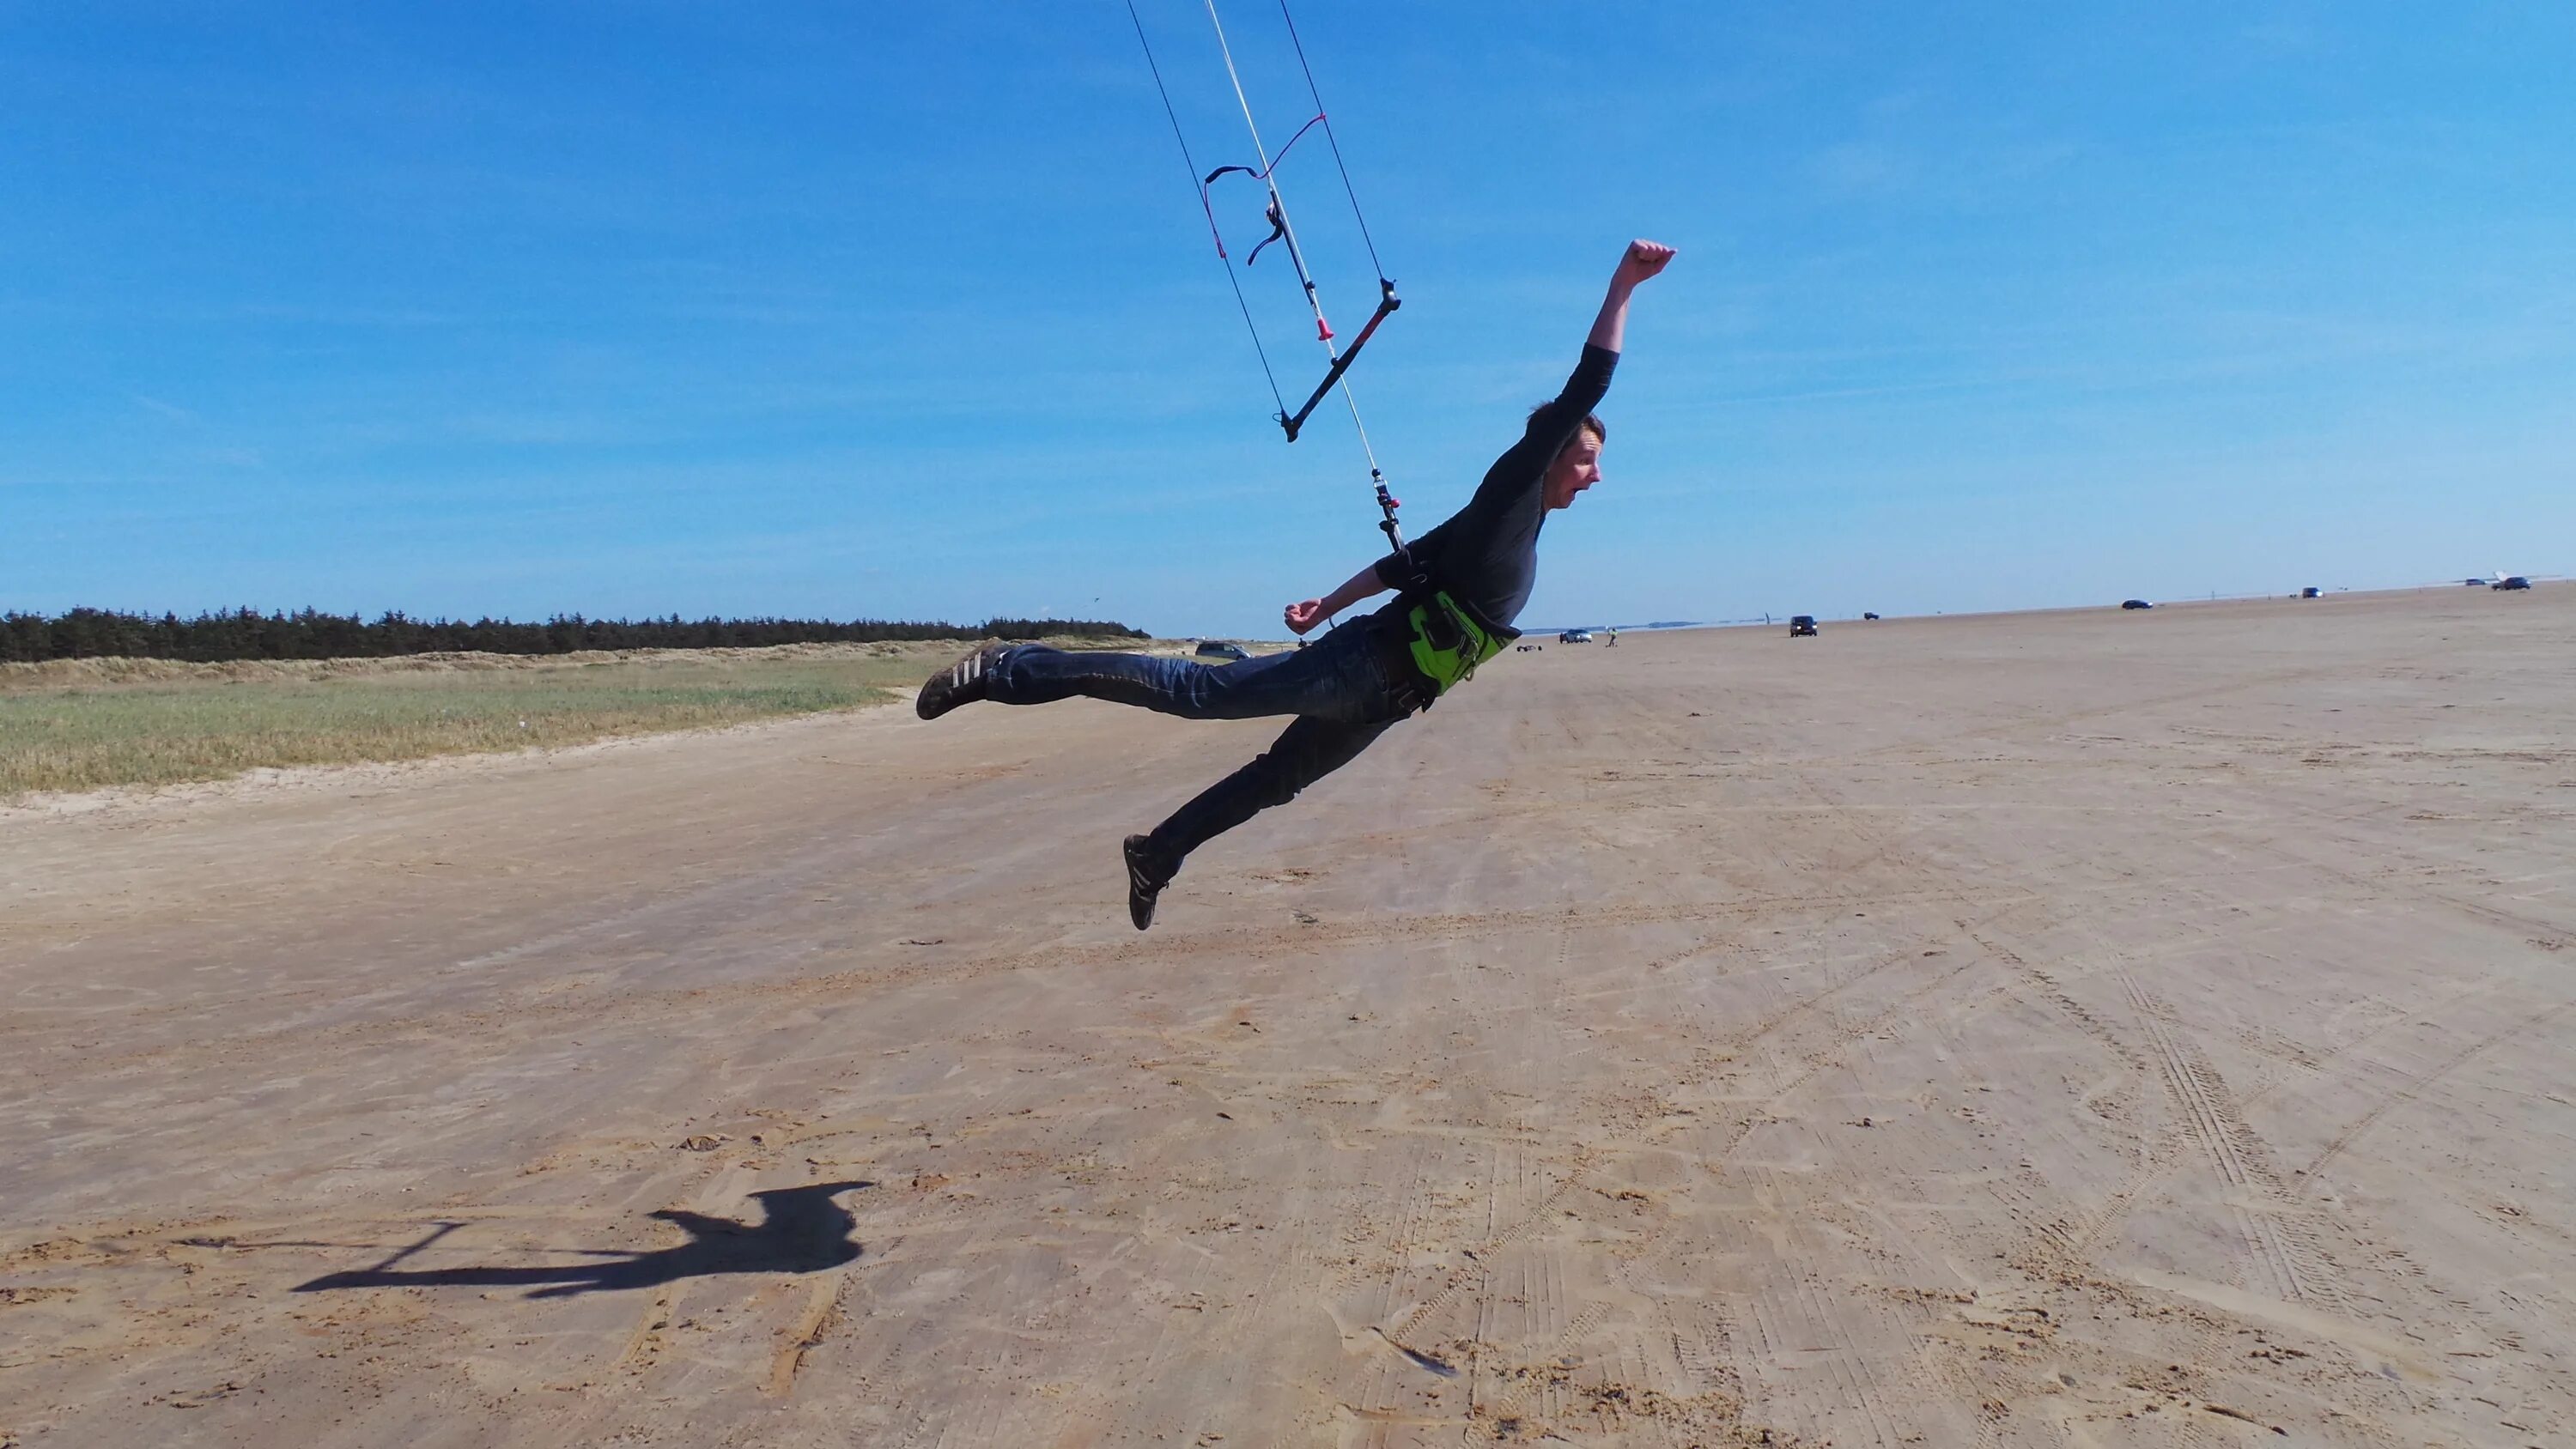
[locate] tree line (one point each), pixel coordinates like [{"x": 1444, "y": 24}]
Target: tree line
[{"x": 312, "y": 634}]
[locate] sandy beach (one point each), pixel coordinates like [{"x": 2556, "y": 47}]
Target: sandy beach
[{"x": 2073, "y": 1028}]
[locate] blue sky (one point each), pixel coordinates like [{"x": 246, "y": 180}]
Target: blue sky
[{"x": 910, "y": 311}]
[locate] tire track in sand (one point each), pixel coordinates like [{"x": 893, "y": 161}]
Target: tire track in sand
[
  {"x": 2415, "y": 1086},
  {"x": 1645, "y": 1129},
  {"x": 2276, "y": 1229}
]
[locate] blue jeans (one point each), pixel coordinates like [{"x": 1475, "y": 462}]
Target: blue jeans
[{"x": 1344, "y": 691}]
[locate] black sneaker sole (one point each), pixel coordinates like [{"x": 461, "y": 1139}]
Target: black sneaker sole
[{"x": 1143, "y": 885}]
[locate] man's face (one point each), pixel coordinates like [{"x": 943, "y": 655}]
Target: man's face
[{"x": 1575, "y": 469}]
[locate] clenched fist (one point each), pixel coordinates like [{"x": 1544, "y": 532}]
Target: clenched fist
[{"x": 1644, "y": 259}]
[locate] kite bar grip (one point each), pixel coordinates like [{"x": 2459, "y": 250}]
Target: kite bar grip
[{"x": 1387, "y": 303}]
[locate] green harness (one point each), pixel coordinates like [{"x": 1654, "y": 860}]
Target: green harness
[{"x": 1448, "y": 643}]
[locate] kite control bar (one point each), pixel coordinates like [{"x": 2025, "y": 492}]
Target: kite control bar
[
  {"x": 1284, "y": 232},
  {"x": 1386, "y": 305}
]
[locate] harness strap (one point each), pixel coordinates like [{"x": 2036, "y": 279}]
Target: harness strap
[{"x": 1448, "y": 642}]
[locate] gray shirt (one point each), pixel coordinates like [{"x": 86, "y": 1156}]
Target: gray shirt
[{"x": 1486, "y": 554}]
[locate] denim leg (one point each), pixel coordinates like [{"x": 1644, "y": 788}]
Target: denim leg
[
  {"x": 1338, "y": 678},
  {"x": 1037, "y": 674},
  {"x": 1306, "y": 752}
]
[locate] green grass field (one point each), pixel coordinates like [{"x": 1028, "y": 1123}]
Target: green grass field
[{"x": 120, "y": 723}]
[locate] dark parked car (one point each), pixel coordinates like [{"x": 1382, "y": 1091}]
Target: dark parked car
[
  {"x": 1869, "y": 616},
  {"x": 1219, "y": 649},
  {"x": 1575, "y": 636},
  {"x": 2312, "y": 592},
  {"x": 2135, "y": 604},
  {"x": 1802, "y": 624},
  {"x": 2474, "y": 583},
  {"x": 2511, "y": 581}
]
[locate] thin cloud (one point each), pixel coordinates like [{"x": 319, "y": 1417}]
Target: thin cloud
[{"x": 171, "y": 411}]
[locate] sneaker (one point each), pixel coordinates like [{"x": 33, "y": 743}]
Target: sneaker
[
  {"x": 1147, "y": 874},
  {"x": 968, "y": 679}
]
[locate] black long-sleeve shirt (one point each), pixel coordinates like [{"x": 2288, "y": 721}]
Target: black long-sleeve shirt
[{"x": 1486, "y": 554}]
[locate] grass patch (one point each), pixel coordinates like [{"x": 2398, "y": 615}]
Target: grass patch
[{"x": 117, "y": 723}]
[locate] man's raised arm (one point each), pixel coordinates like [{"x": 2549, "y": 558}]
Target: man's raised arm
[{"x": 1642, "y": 260}]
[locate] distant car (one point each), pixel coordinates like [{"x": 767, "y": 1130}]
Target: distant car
[
  {"x": 2511, "y": 581},
  {"x": 1869, "y": 616},
  {"x": 2475, "y": 583},
  {"x": 2312, "y": 592},
  {"x": 1219, "y": 649},
  {"x": 2135, "y": 604},
  {"x": 1802, "y": 624},
  {"x": 1575, "y": 636}
]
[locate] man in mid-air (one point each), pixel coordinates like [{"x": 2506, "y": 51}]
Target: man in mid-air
[{"x": 1459, "y": 587}]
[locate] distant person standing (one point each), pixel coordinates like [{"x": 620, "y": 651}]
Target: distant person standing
[{"x": 1459, "y": 587}]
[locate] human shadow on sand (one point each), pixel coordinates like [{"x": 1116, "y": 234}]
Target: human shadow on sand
[{"x": 801, "y": 1230}]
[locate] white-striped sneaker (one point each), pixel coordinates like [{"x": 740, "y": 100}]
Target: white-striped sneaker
[
  {"x": 1147, "y": 874},
  {"x": 968, "y": 679}
]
